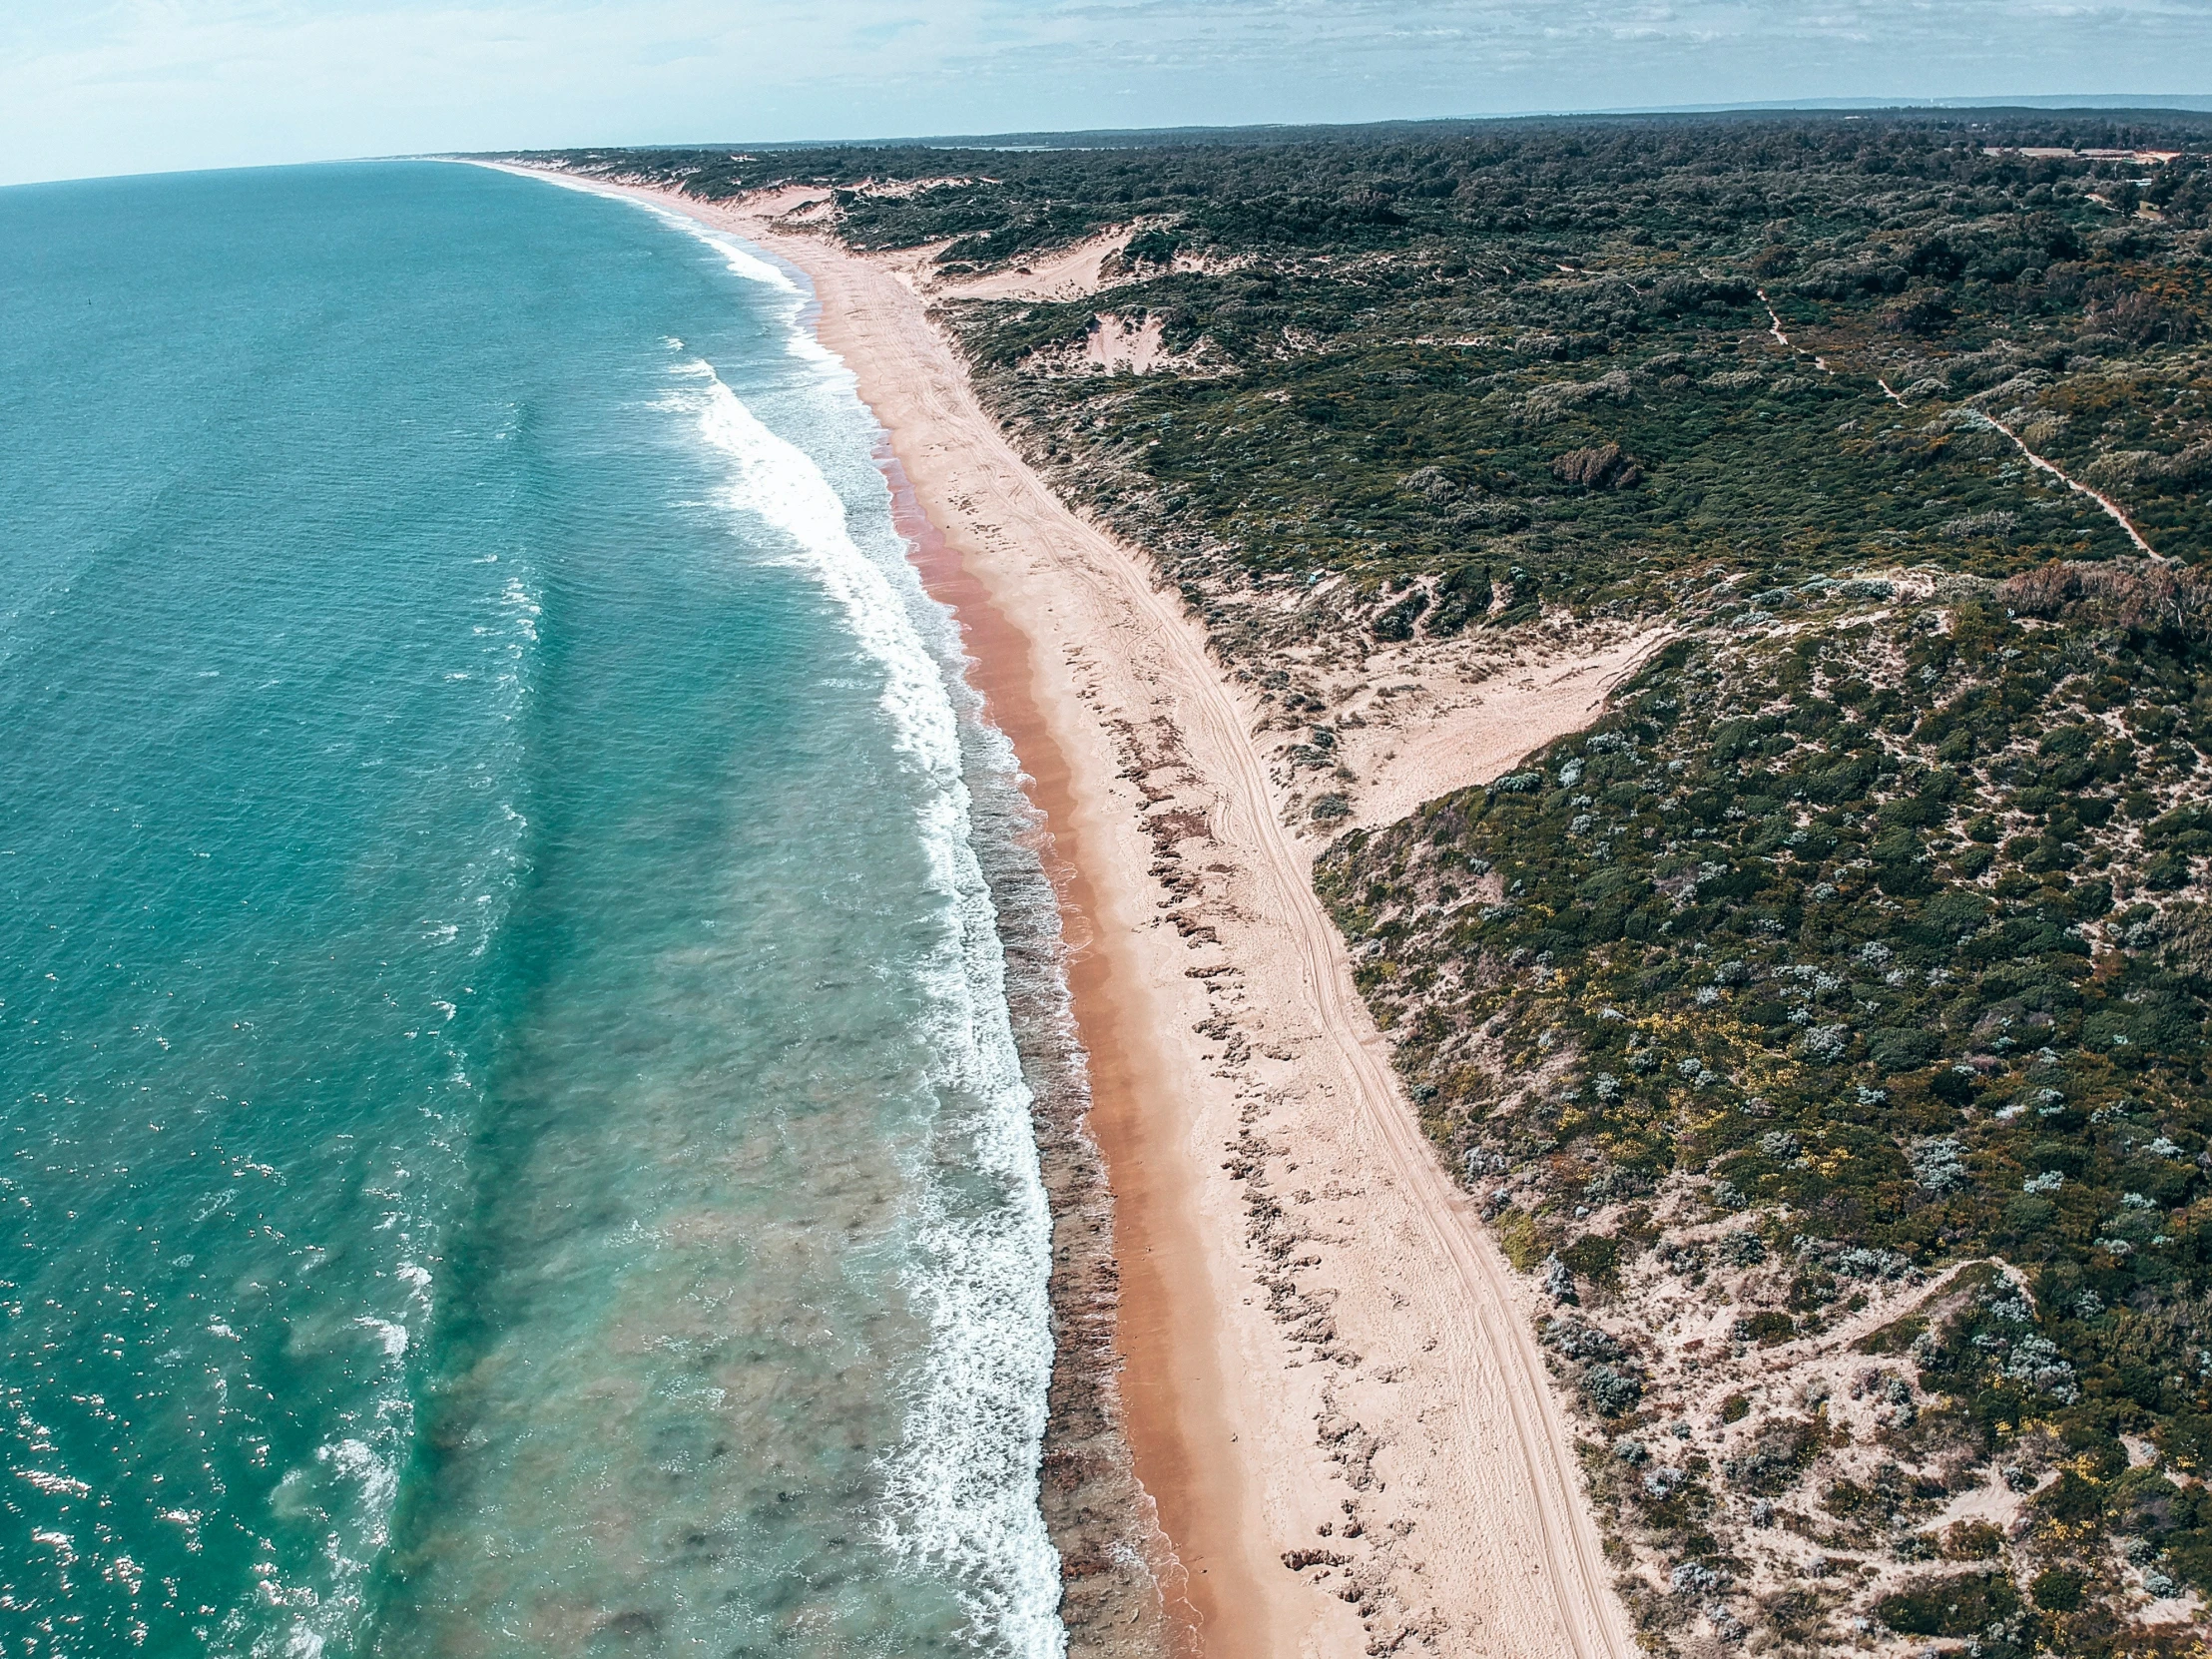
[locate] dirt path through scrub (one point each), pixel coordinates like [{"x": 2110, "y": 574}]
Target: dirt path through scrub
[{"x": 2041, "y": 465}]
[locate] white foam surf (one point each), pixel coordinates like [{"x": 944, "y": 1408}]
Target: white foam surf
[
  {"x": 741, "y": 260},
  {"x": 964, "y": 1486},
  {"x": 962, "y": 1489}
]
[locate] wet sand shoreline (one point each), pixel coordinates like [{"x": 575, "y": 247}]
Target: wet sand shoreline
[{"x": 1097, "y": 1503}]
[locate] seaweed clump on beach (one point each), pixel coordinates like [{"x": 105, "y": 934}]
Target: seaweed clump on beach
[{"x": 1840, "y": 998}]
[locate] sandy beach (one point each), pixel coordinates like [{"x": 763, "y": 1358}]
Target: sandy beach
[{"x": 1327, "y": 1379}]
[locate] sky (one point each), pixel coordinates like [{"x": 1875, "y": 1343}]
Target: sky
[{"x": 98, "y": 87}]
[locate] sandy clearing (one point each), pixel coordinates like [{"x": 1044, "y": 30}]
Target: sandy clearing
[
  {"x": 1416, "y": 1444},
  {"x": 1115, "y": 342},
  {"x": 1460, "y": 735},
  {"x": 1070, "y": 273}
]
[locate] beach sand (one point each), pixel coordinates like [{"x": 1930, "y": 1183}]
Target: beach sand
[{"x": 1330, "y": 1385}]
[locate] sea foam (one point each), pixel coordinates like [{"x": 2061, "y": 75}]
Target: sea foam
[{"x": 963, "y": 1486}]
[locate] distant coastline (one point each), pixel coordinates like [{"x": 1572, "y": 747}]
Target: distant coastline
[{"x": 1339, "y": 1420}]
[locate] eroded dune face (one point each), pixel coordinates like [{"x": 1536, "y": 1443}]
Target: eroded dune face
[
  {"x": 1066, "y": 273},
  {"x": 1116, "y": 343}
]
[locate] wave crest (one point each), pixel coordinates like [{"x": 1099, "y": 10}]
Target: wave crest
[{"x": 962, "y": 1488}]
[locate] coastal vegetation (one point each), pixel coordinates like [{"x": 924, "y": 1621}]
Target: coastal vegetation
[
  {"x": 1836, "y": 953},
  {"x": 1824, "y": 1027},
  {"x": 1389, "y": 349}
]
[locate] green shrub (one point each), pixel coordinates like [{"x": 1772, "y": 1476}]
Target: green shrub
[
  {"x": 2057, "y": 1589},
  {"x": 1971, "y": 1541},
  {"x": 1963, "y": 1605}
]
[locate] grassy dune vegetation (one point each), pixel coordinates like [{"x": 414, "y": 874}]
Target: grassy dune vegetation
[{"x": 1866, "y": 936}]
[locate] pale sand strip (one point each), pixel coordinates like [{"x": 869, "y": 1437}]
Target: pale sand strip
[{"x": 1438, "y": 1436}]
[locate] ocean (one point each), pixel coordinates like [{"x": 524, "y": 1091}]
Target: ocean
[{"x": 515, "y": 1140}]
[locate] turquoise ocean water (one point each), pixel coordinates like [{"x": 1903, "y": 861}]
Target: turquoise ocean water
[{"x": 514, "y": 1140}]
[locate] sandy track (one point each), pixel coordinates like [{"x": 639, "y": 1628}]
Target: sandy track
[
  {"x": 1473, "y": 1275},
  {"x": 2111, "y": 507},
  {"x": 1378, "y": 1400}
]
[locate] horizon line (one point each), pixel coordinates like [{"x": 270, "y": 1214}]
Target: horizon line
[
  {"x": 2043, "y": 104},
  {"x": 2181, "y": 103}
]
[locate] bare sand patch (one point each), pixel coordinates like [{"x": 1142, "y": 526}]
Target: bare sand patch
[
  {"x": 1116, "y": 343},
  {"x": 1066, "y": 273},
  {"x": 1436, "y": 732}
]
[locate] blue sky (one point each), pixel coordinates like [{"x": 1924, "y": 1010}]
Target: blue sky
[{"x": 90, "y": 87}]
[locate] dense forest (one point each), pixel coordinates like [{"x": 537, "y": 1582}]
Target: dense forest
[{"x": 1859, "y": 957}]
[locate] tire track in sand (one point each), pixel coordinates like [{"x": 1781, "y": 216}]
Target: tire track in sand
[{"x": 1591, "y": 1613}]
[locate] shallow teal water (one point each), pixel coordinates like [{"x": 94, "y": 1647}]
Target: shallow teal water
[{"x": 514, "y": 1143}]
